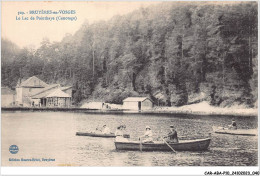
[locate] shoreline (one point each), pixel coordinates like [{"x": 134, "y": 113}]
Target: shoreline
[{"x": 158, "y": 110}]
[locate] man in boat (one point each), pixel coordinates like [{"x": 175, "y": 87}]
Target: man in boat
[
  {"x": 233, "y": 125},
  {"x": 172, "y": 136},
  {"x": 148, "y": 135},
  {"x": 106, "y": 130}
]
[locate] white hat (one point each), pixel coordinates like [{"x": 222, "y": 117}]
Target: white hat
[{"x": 147, "y": 127}]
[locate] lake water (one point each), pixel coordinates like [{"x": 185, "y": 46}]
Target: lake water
[{"x": 52, "y": 135}]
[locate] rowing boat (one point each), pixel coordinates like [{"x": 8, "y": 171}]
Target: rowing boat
[
  {"x": 244, "y": 132},
  {"x": 183, "y": 145},
  {"x": 92, "y": 134}
]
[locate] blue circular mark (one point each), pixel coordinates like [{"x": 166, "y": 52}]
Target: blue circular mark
[{"x": 13, "y": 149}]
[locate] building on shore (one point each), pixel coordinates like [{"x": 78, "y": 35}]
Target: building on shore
[
  {"x": 34, "y": 92},
  {"x": 24, "y": 89},
  {"x": 7, "y": 97},
  {"x": 39, "y": 98},
  {"x": 58, "y": 98},
  {"x": 160, "y": 98},
  {"x": 137, "y": 103}
]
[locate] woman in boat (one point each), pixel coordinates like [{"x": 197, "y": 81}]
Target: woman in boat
[
  {"x": 106, "y": 130},
  {"x": 120, "y": 134},
  {"x": 233, "y": 125},
  {"x": 172, "y": 136},
  {"x": 148, "y": 135}
]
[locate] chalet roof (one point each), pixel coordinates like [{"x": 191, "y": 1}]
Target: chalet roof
[
  {"x": 65, "y": 88},
  {"x": 133, "y": 99},
  {"x": 45, "y": 91},
  {"x": 7, "y": 91},
  {"x": 33, "y": 82},
  {"x": 58, "y": 93}
]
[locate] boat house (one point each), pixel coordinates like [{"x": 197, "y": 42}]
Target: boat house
[
  {"x": 137, "y": 103},
  {"x": 58, "y": 98}
]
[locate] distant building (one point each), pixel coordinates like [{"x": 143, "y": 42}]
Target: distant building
[
  {"x": 35, "y": 92},
  {"x": 137, "y": 103},
  {"x": 160, "y": 98},
  {"x": 7, "y": 97}
]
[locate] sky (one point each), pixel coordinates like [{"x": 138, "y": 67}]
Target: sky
[{"x": 30, "y": 33}]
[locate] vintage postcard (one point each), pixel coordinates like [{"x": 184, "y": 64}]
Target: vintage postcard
[{"x": 137, "y": 83}]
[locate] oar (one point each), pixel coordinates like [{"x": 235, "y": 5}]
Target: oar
[
  {"x": 215, "y": 129},
  {"x": 169, "y": 145},
  {"x": 140, "y": 144}
]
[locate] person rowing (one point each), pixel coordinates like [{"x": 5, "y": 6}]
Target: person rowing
[
  {"x": 233, "y": 125},
  {"x": 148, "y": 135},
  {"x": 172, "y": 136}
]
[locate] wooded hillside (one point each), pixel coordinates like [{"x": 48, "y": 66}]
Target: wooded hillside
[{"x": 184, "y": 52}]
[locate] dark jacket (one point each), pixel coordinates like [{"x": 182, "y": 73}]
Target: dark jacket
[
  {"x": 173, "y": 137},
  {"x": 234, "y": 125}
]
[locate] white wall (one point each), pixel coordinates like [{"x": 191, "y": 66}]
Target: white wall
[
  {"x": 19, "y": 95},
  {"x": 133, "y": 105},
  {"x": 27, "y": 92},
  {"x": 145, "y": 105},
  {"x": 23, "y": 95}
]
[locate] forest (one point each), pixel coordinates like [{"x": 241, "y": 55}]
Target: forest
[{"x": 175, "y": 53}]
